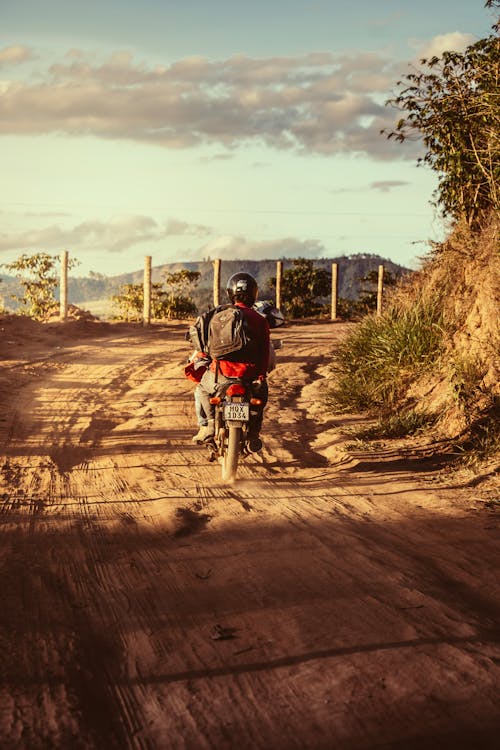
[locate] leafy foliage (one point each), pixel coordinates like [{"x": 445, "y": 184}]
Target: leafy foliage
[
  {"x": 172, "y": 302},
  {"x": 453, "y": 105},
  {"x": 38, "y": 277},
  {"x": 178, "y": 302},
  {"x": 368, "y": 299},
  {"x": 302, "y": 286}
]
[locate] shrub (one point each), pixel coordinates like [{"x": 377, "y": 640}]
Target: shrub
[
  {"x": 374, "y": 364},
  {"x": 38, "y": 277}
]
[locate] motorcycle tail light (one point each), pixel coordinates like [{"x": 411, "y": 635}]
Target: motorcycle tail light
[
  {"x": 256, "y": 401},
  {"x": 236, "y": 389},
  {"x": 215, "y": 400}
]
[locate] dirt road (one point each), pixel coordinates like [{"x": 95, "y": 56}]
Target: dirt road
[{"x": 321, "y": 601}]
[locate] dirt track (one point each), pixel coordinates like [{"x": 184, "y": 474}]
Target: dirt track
[{"x": 321, "y": 601}]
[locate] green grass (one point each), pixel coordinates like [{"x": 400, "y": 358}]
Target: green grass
[{"x": 375, "y": 362}]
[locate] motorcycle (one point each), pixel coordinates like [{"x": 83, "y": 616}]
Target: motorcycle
[{"x": 233, "y": 411}]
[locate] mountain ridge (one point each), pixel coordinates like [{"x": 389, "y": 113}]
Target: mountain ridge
[{"x": 98, "y": 286}]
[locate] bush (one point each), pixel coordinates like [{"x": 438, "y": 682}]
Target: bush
[
  {"x": 172, "y": 302},
  {"x": 376, "y": 361}
]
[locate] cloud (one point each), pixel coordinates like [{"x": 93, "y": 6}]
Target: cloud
[
  {"x": 455, "y": 41},
  {"x": 176, "y": 228},
  {"x": 122, "y": 234},
  {"x": 236, "y": 248},
  {"x": 383, "y": 185},
  {"x": 386, "y": 186},
  {"x": 319, "y": 103},
  {"x": 114, "y": 236},
  {"x": 15, "y": 55}
]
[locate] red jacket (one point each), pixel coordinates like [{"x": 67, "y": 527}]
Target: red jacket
[{"x": 250, "y": 367}]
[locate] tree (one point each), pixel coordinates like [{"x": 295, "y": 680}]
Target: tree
[
  {"x": 172, "y": 302},
  {"x": 302, "y": 285},
  {"x": 453, "y": 106},
  {"x": 130, "y": 301},
  {"x": 38, "y": 277},
  {"x": 178, "y": 302},
  {"x": 368, "y": 298}
]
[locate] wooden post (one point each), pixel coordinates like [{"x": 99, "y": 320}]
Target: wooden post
[
  {"x": 279, "y": 276},
  {"x": 335, "y": 286},
  {"x": 63, "y": 287},
  {"x": 380, "y": 287},
  {"x": 216, "y": 282},
  {"x": 146, "y": 315}
]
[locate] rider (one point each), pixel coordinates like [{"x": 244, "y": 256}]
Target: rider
[
  {"x": 250, "y": 364},
  {"x": 198, "y": 362}
]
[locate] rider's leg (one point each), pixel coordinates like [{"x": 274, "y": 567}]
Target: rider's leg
[{"x": 201, "y": 417}]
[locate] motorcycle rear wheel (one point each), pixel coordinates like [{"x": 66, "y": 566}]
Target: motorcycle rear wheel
[{"x": 231, "y": 454}]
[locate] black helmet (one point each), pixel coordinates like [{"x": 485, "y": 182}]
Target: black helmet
[
  {"x": 273, "y": 316},
  {"x": 241, "y": 287}
]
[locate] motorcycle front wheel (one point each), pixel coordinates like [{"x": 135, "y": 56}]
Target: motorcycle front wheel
[{"x": 231, "y": 453}]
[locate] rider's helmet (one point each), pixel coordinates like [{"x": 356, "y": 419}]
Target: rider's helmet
[
  {"x": 242, "y": 287},
  {"x": 273, "y": 316}
]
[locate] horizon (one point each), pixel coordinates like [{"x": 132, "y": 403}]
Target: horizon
[{"x": 72, "y": 273}]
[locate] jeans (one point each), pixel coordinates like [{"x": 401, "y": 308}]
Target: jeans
[{"x": 201, "y": 416}]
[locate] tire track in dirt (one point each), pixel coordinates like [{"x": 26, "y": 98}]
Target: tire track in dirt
[{"x": 148, "y": 605}]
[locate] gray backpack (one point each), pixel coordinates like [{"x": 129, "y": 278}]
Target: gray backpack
[{"x": 227, "y": 333}]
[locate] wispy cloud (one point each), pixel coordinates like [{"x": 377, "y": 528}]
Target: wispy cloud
[
  {"x": 386, "y": 20},
  {"x": 114, "y": 236},
  {"x": 15, "y": 55},
  {"x": 385, "y": 186},
  {"x": 176, "y": 228},
  {"x": 236, "y": 248},
  {"x": 319, "y": 103}
]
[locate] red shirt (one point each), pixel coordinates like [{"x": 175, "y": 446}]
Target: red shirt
[{"x": 250, "y": 366}]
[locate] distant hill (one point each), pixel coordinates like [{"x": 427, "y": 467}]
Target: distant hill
[{"x": 97, "y": 289}]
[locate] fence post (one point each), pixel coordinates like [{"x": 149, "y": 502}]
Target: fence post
[
  {"x": 279, "y": 276},
  {"x": 380, "y": 288},
  {"x": 335, "y": 276},
  {"x": 63, "y": 287},
  {"x": 146, "y": 315},
  {"x": 216, "y": 282}
]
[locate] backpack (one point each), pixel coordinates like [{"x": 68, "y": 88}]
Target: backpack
[
  {"x": 198, "y": 332},
  {"x": 227, "y": 333},
  {"x": 220, "y": 332}
]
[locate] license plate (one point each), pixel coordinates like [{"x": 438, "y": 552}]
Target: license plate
[{"x": 238, "y": 412}]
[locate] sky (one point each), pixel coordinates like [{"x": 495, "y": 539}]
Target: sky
[{"x": 194, "y": 129}]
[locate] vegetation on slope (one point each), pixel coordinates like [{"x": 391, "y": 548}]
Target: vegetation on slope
[{"x": 433, "y": 355}]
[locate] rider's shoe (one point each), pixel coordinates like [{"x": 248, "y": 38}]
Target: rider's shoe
[
  {"x": 206, "y": 433},
  {"x": 255, "y": 444},
  {"x": 198, "y": 438}
]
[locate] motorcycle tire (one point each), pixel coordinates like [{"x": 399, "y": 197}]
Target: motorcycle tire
[{"x": 231, "y": 454}]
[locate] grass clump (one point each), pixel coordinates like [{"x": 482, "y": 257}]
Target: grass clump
[
  {"x": 397, "y": 425},
  {"x": 374, "y": 364}
]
